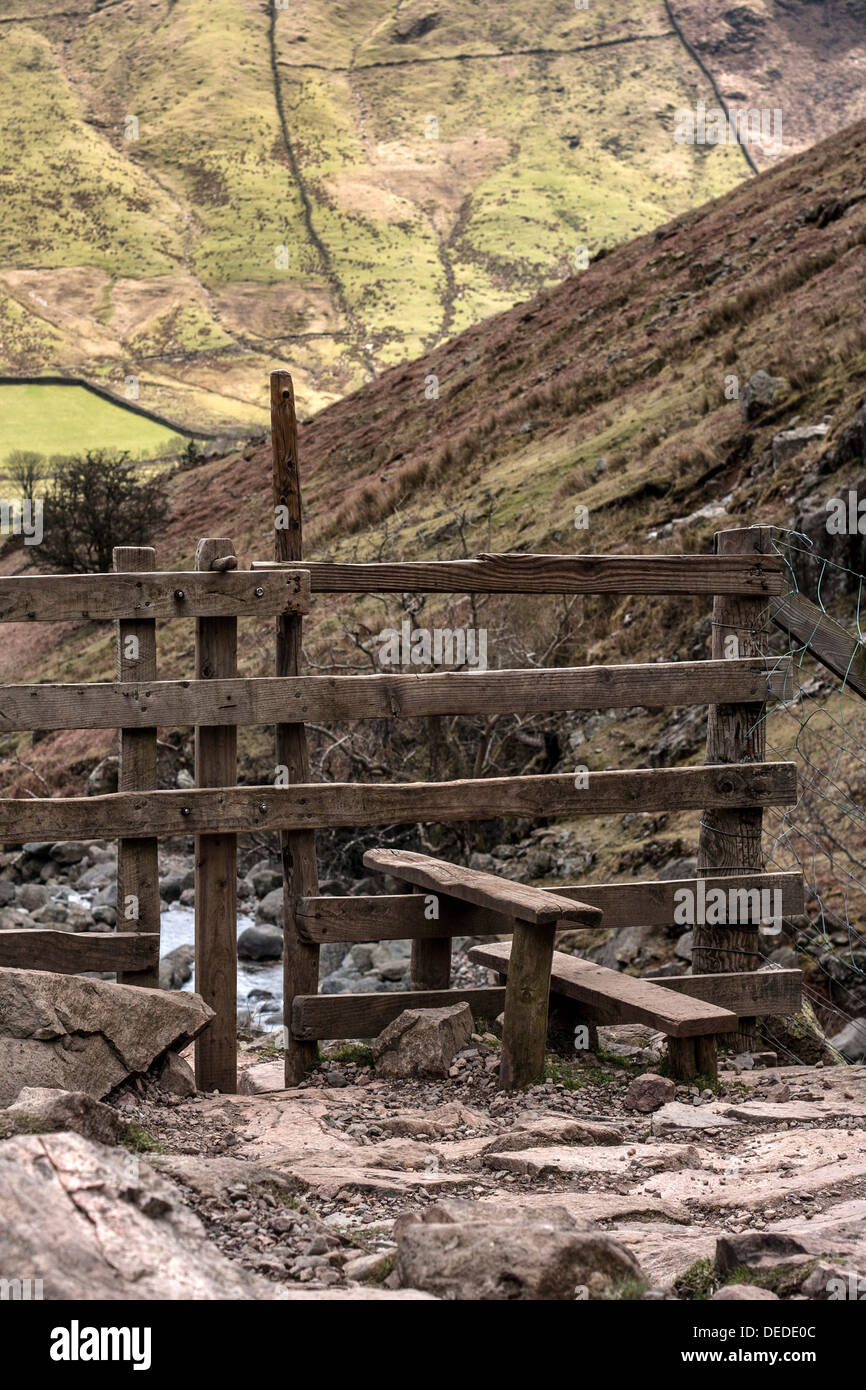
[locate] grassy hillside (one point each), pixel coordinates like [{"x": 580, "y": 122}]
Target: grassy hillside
[{"x": 341, "y": 187}]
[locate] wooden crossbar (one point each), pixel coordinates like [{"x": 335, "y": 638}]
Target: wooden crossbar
[
  {"x": 501, "y": 895},
  {"x": 364, "y": 1015},
  {"x": 554, "y": 574},
  {"x": 52, "y": 598},
  {"x": 312, "y": 806},
  {"x": 70, "y": 952},
  {"x": 646, "y": 903},
  {"x": 317, "y": 699},
  {"x": 616, "y": 998}
]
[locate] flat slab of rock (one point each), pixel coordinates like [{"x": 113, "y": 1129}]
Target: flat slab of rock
[
  {"x": 676, "y": 1116},
  {"x": 71, "y": 1033},
  {"x": 98, "y": 1223},
  {"x": 466, "y": 1252},
  {"x": 631, "y": 1161},
  {"x": 552, "y": 1130}
]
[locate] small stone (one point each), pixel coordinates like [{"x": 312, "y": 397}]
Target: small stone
[{"x": 649, "y": 1092}]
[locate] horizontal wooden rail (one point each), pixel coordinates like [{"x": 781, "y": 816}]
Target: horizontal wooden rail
[
  {"x": 317, "y": 806},
  {"x": 319, "y": 699},
  {"x": 52, "y": 598},
  {"x": 747, "y": 994},
  {"x": 837, "y": 648},
  {"x": 401, "y": 916},
  {"x": 365, "y": 1015},
  {"x": 502, "y": 895},
  {"x": 553, "y": 574},
  {"x": 69, "y": 952},
  {"x": 750, "y": 993}
]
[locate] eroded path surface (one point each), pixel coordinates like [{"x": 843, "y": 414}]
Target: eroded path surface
[{"x": 305, "y": 1186}]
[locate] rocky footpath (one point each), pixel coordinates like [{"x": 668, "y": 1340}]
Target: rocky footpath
[{"x": 605, "y": 1182}]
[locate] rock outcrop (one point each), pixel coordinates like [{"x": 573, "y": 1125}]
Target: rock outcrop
[{"x": 77, "y": 1034}]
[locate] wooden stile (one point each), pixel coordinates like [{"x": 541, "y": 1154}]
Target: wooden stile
[
  {"x": 216, "y": 857},
  {"x": 137, "y": 860},
  {"x": 553, "y": 574},
  {"x": 298, "y": 843}
]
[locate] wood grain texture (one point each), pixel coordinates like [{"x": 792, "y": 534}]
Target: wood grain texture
[
  {"x": 759, "y": 992},
  {"x": 137, "y": 703},
  {"x": 216, "y": 858},
  {"x": 237, "y": 810},
  {"x": 503, "y": 895},
  {"x": 731, "y": 839},
  {"x": 527, "y": 993},
  {"x": 554, "y": 574},
  {"x": 648, "y": 903},
  {"x": 365, "y": 1015},
  {"x": 837, "y": 648},
  {"x": 67, "y": 953},
  {"x": 137, "y": 860},
  {"x": 297, "y": 843},
  {"x": 53, "y": 598},
  {"x": 616, "y": 998}
]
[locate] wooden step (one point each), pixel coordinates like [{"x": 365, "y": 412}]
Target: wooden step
[
  {"x": 615, "y": 998},
  {"x": 503, "y": 895}
]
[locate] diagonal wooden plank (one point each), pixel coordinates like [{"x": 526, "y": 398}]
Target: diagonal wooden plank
[
  {"x": 616, "y": 998},
  {"x": 837, "y": 648},
  {"x": 503, "y": 895}
]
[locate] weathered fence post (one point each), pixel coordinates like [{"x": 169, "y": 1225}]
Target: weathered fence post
[
  {"x": 527, "y": 996},
  {"x": 216, "y": 856},
  {"x": 430, "y": 963},
  {"x": 297, "y": 847},
  {"x": 137, "y": 860},
  {"x": 730, "y": 841}
]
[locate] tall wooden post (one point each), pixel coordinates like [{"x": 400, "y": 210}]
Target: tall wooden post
[
  {"x": 730, "y": 841},
  {"x": 137, "y": 862},
  {"x": 297, "y": 847},
  {"x": 216, "y": 856}
]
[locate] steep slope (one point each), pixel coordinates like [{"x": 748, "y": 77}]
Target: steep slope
[
  {"x": 609, "y": 392},
  {"x": 194, "y": 189}
]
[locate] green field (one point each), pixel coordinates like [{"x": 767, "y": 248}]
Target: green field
[{"x": 69, "y": 419}]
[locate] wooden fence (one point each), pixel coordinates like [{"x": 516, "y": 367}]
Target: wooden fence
[{"x": 724, "y": 998}]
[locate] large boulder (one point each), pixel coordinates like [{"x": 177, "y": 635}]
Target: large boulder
[
  {"x": 98, "y": 1223},
  {"x": 423, "y": 1042},
  {"x": 472, "y": 1251},
  {"x": 76, "y": 1034}
]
